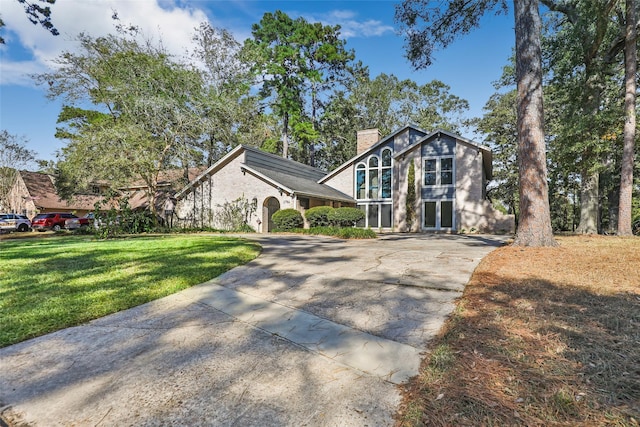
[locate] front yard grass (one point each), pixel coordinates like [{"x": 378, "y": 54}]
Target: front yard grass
[
  {"x": 540, "y": 337},
  {"x": 58, "y": 282}
]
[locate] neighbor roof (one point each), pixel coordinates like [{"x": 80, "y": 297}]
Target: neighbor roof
[{"x": 43, "y": 192}]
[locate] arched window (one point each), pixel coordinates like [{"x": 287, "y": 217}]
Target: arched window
[
  {"x": 374, "y": 178},
  {"x": 385, "y": 192},
  {"x": 361, "y": 179}
]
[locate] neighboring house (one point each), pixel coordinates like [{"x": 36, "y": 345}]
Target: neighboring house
[
  {"x": 169, "y": 181},
  {"x": 35, "y": 192},
  {"x": 451, "y": 175}
]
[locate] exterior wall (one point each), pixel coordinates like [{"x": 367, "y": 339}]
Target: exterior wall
[
  {"x": 400, "y": 188},
  {"x": 437, "y": 147},
  {"x": 19, "y": 200},
  {"x": 343, "y": 181},
  {"x": 202, "y": 206},
  {"x": 473, "y": 211}
]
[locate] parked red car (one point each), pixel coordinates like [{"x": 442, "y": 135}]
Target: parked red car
[{"x": 52, "y": 221}]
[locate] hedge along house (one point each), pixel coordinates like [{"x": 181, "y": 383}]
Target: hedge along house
[
  {"x": 253, "y": 184},
  {"x": 451, "y": 174}
]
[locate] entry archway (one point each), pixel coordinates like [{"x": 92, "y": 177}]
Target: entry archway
[{"x": 270, "y": 206}]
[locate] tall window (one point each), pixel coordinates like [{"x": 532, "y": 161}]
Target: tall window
[
  {"x": 374, "y": 178},
  {"x": 438, "y": 171},
  {"x": 373, "y": 182},
  {"x": 438, "y": 214}
]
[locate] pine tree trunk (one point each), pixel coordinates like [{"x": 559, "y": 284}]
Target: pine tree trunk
[
  {"x": 534, "y": 226},
  {"x": 285, "y": 135},
  {"x": 589, "y": 190},
  {"x": 626, "y": 175}
]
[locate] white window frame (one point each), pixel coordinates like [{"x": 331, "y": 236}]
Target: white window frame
[
  {"x": 379, "y": 204},
  {"x": 367, "y": 177},
  {"x": 438, "y": 203},
  {"x": 438, "y": 171}
]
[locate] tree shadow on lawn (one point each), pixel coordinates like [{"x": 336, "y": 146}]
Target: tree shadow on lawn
[
  {"x": 58, "y": 288},
  {"x": 533, "y": 352}
]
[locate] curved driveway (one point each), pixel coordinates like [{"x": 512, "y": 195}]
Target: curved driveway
[{"x": 315, "y": 331}]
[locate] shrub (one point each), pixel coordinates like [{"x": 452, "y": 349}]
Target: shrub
[
  {"x": 287, "y": 219},
  {"x": 235, "y": 215},
  {"x": 343, "y": 233},
  {"x": 345, "y": 217},
  {"x": 318, "y": 216}
]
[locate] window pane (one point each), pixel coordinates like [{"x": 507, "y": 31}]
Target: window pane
[
  {"x": 373, "y": 216},
  {"x": 446, "y": 212},
  {"x": 430, "y": 214},
  {"x": 446, "y": 164},
  {"x": 360, "y": 184},
  {"x": 429, "y": 178},
  {"x": 430, "y": 172},
  {"x": 373, "y": 184},
  {"x": 446, "y": 171},
  {"x": 446, "y": 178},
  {"x": 386, "y": 158},
  {"x": 386, "y": 183},
  {"x": 361, "y": 223},
  {"x": 430, "y": 165},
  {"x": 385, "y": 214},
  {"x": 373, "y": 162}
]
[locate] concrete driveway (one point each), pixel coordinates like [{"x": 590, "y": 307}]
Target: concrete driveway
[{"x": 315, "y": 331}]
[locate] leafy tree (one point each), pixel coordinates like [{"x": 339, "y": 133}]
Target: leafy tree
[
  {"x": 295, "y": 58},
  {"x": 37, "y": 15},
  {"x": 232, "y": 113},
  {"x": 582, "y": 45},
  {"x": 430, "y": 27},
  {"x": 13, "y": 157},
  {"x": 386, "y": 103},
  {"x": 499, "y": 124},
  {"x": 149, "y": 107}
]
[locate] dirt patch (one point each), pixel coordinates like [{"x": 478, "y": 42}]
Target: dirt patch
[{"x": 541, "y": 336}]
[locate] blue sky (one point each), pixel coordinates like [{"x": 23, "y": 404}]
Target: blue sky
[{"x": 469, "y": 66}]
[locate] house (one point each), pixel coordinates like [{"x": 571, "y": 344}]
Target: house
[
  {"x": 451, "y": 175},
  {"x": 34, "y": 192},
  {"x": 263, "y": 182}
]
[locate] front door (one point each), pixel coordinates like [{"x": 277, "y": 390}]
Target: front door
[{"x": 271, "y": 205}]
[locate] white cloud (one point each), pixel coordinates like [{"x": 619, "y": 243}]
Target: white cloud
[
  {"x": 350, "y": 26},
  {"x": 169, "y": 23}
]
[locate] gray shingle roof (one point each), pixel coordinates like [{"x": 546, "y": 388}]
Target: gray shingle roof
[{"x": 290, "y": 175}]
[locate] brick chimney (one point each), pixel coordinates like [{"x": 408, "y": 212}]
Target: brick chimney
[{"x": 366, "y": 138}]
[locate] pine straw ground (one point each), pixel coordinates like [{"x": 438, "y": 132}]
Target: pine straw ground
[{"x": 541, "y": 337}]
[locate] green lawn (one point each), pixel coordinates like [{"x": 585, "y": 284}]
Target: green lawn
[{"x": 50, "y": 284}]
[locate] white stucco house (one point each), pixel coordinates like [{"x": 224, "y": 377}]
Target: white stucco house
[{"x": 451, "y": 174}]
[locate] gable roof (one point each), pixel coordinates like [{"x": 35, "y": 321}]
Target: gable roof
[
  {"x": 43, "y": 192},
  {"x": 284, "y": 174},
  {"x": 487, "y": 156}
]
